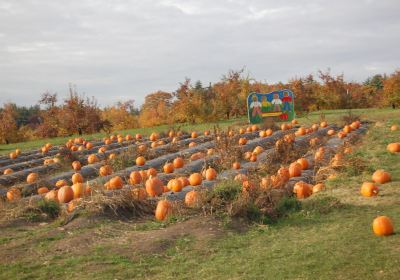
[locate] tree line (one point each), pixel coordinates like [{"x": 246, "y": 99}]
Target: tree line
[{"x": 189, "y": 103}]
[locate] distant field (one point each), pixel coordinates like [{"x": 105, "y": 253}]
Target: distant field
[{"x": 331, "y": 115}]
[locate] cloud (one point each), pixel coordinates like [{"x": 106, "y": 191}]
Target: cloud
[{"x": 125, "y": 49}]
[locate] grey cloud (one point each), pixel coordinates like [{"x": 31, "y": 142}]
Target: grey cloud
[{"x": 126, "y": 49}]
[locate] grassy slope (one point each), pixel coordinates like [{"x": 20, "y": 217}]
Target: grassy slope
[
  {"x": 319, "y": 242},
  {"x": 331, "y": 115}
]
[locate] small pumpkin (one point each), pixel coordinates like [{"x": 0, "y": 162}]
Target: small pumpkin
[
  {"x": 92, "y": 159},
  {"x": 185, "y": 181},
  {"x": 192, "y": 144},
  {"x": 269, "y": 132},
  {"x": 61, "y": 183},
  {"x": 242, "y": 141},
  {"x": 13, "y": 155},
  {"x": 151, "y": 172},
  {"x": 304, "y": 163},
  {"x": 194, "y": 134},
  {"x": 323, "y": 124},
  {"x": 382, "y": 226},
  {"x": 394, "y": 127},
  {"x": 52, "y": 195}
]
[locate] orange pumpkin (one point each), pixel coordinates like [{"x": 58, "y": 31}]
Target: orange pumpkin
[
  {"x": 168, "y": 168},
  {"x": 381, "y": 176},
  {"x": 175, "y": 185},
  {"x": 65, "y": 194},
  {"x": 206, "y": 133},
  {"x": 135, "y": 177},
  {"x": 92, "y": 159},
  {"x": 89, "y": 145},
  {"x": 42, "y": 190},
  {"x": 302, "y": 190},
  {"x": 163, "y": 209},
  {"x": 323, "y": 124},
  {"x": 77, "y": 178},
  {"x": 258, "y": 150},
  {"x": 236, "y": 165},
  {"x": 78, "y": 189},
  {"x": 138, "y": 136},
  {"x": 192, "y": 144},
  {"x": 144, "y": 175},
  {"x": 197, "y": 156},
  {"x": 284, "y": 174},
  {"x": 140, "y": 161},
  {"x": 32, "y": 178},
  {"x": 318, "y": 187},
  {"x": 153, "y": 137},
  {"x": 295, "y": 170},
  {"x": 151, "y": 172},
  {"x": 178, "y": 162},
  {"x": 369, "y": 189},
  {"x": 76, "y": 165},
  {"x": 294, "y": 121},
  {"x": 192, "y": 199},
  {"x": 105, "y": 170},
  {"x": 347, "y": 129},
  {"x": 195, "y": 179},
  {"x": 242, "y": 141},
  {"x": 394, "y": 127},
  {"x": 210, "y": 151},
  {"x": 116, "y": 183},
  {"x": 211, "y": 174},
  {"x": 102, "y": 149},
  {"x": 128, "y": 137},
  {"x": 262, "y": 134},
  {"x": 393, "y": 147},
  {"x": 13, "y": 194},
  {"x": 185, "y": 181},
  {"x": 139, "y": 193},
  {"x": 253, "y": 158},
  {"x": 382, "y": 226},
  {"x": 8, "y": 171},
  {"x": 61, "y": 183},
  {"x": 269, "y": 132},
  {"x": 154, "y": 186},
  {"x": 52, "y": 196},
  {"x": 301, "y": 131},
  {"x": 17, "y": 152},
  {"x": 194, "y": 134},
  {"x": 242, "y": 131},
  {"x": 331, "y": 132},
  {"x": 304, "y": 163}
]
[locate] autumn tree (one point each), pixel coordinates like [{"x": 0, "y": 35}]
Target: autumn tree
[
  {"x": 121, "y": 116},
  {"x": 391, "y": 89},
  {"x": 156, "y": 109},
  {"x": 8, "y": 125}
]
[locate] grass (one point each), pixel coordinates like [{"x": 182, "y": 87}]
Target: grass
[{"x": 328, "y": 236}]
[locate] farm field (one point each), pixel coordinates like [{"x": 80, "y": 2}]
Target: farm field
[{"x": 259, "y": 233}]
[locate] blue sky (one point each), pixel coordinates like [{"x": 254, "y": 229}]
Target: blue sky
[{"x": 119, "y": 50}]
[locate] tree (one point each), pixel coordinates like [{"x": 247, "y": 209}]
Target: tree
[
  {"x": 8, "y": 125},
  {"x": 391, "y": 89},
  {"x": 156, "y": 109}
]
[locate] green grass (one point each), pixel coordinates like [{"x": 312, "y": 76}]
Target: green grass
[{"x": 329, "y": 237}]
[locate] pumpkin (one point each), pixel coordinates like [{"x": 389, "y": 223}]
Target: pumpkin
[
  {"x": 8, "y": 171},
  {"x": 295, "y": 170},
  {"x": 92, "y": 159},
  {"x": 154, "y": 186},
  {"x": 369, "y": 189},
  {"x": 294, "y": 121},
  {"x": 393, "y": 147},
  {"x": 89, "y": 145},
  {"x": 269, "y": 132},
  {"x": 314, "y": 127},
  {"x": 42, "y": 190},
  {"x": 128, "y": 137},
  {"x": 253, "y": 157},
  {"x": 185, "y": 181},
  {"x": 120, "y": 139},
  {"x": 139, "y": 193},
  {"x": 262, "y": 134},
  {"x": 105, "y": 170},
  {"x": 144, "y": 175},
  {"x": 48, "y": 161},
  {"x": 44, "y": 150},
  {"x": 211, "y": 174},
  {"x": 13, "y": 155},
  {"x": 210, "y": 152},
  {"x": 331, "y": 132},
  {"x": 342, "y": 134},
  {"x": 347, "y": 129},
  {"x": 160, "y": 143},
  {"x": 382, "y": 226},
  {"x": 116, "y": 183},
  {"x": 248, "y": 129},
  {"x": 175, "y": 185},
  {"x": 197, "y": 156},
  {"x": 254, "y": 128},
  {"x": 394, "y": 127},
  {"x": 112, "y": 156},
  {"x": 194, "y": 134},
  {"x": 284, "y": 174},
  {"x": 301, "y": 131},
  {"x": 314, "y": 141},
  {"x": 168, "y": 168},
  {"x": 61, "y": 183},
  {"x": 192, "y": 144},
  {"x": 13, "y": 194},
  {"x": 242, "y": 141},
  {"x": 76, "y": 165},
  {"x": 195, "y": 179},
  {"x": 304, "y": 163},
  {"x": 113, "y": 137},
  {"x": 78, "y": 189},
  {"x": 142, "y": 148},
  {"x": 178, "y": 162},
  {"x": 284, "y": 126},
  {"x": 72, "y": 205},
  {"x": 102, "y": 150},
  {"x": 192, "y": 199},
  {"x": 302, "y": 190},
  {"x": 236, "y": 165},
  {"x": 135, "y": 177},
  {"x": 81, "y": 148},
  {"x": 77, "y": 178},
  {"x": 240, "y": 177},
  {"x": 65, "y": 194},
  {"x": 140, "y": 161},
  {"x": 258, "y": 150},
  {"x": 242, "y": 131},
  {"x": 151, "y": 172},
  {"x": 318, "y": 187},
  {"x": 319, "y": 155},
  {"x": 381, "y": 176},
  {"x": 32, "y": 178},
  {"x": 206, "y": 133},
  {"x": 107, "y": 142},
  {"x": 163, "y": 209},
  {"x": 153, "y": 137},
  {"x": 323, "y": 124},
  {"x": 52, "y": 196},
  {"x": 247, "y": 155},
  {"x": 247, "y": 185}
]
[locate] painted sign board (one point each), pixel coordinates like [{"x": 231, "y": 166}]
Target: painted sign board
[{"x": 277, "y": 104}]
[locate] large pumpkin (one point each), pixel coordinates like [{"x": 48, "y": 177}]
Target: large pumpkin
[
  {"x": 302, "y": 189},
  {"x": 195, "y": 179},
  {"x": 382, "y": 226},
  {"x": 163, "y": 209},
  {"x": 154, "y": 186},
  {"x": 369, "y": 189},
  {"x": 65, "y": 194},
  {"x": 381, "y": 176}
]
